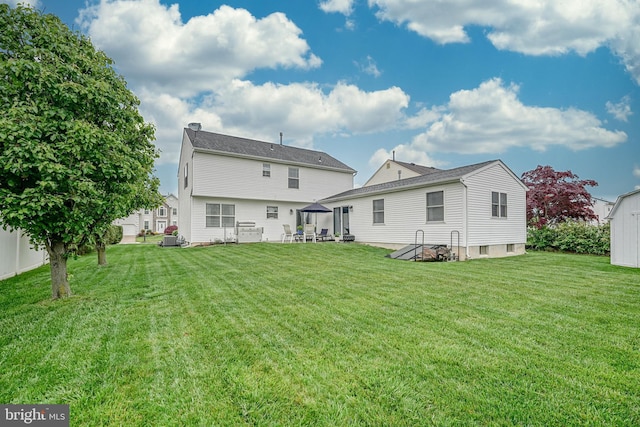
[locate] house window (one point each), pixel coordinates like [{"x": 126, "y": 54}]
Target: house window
[
  {"x": 186, "y": 175},
  {"x": 220, "y": 215},
  {"x": 294, "y": 178},
  {"x": 146, "y": 224},
  {"x": 498, "y": 204},
  {"x": 162, "y": 211},
  {"x": 378, "y": 211},
  {"x": 510, "y": 247},
  {"x": 272, "y": 212},
  {"x": 435, "y": 206},
  {"x": 266, "y": 170},
  {"x": 146, "y": 211},
  {"x": 174, "y": 211},
  {"x": 484, "y": 250}
]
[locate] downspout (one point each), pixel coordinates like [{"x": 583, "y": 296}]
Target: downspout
[{"x": 465, "y": 221}]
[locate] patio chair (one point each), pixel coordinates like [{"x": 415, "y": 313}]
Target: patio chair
[
  {"x": 309, "y": 232},
  {"x": 287, "y": 233},
  {"x": 324, "y": 234}
]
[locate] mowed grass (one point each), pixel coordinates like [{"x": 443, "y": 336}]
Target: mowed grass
[{"x": 326, "y": 334}]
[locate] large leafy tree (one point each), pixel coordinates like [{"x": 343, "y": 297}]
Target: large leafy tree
[
  {"x": 75, "y": 153},
  {"x": 556, "y": 196}
]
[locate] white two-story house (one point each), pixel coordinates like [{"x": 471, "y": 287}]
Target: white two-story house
[{"x": 224, "y": 179}]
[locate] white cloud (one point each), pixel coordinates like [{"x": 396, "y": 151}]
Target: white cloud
[
  {"x": 636, "y": 171},
  {"x": 344, "y": 7},
  {"x": 299, "y": 110},
  {"x": 369, "y": 66},
  {"x": 152, "y": 46},
  {"x": 193, "y": 72},
  {"x": 490, "y": 119},
  {"x": 621, "y": 110},
  {"x": 302, "y": 110},
  {"x": 424, "y": 117},
  {"x": 540, "y": 27}
]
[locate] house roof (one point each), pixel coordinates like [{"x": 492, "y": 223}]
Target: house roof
[
  {"x": 250, "y": 148},
  {"x": 436, "y": 177},
  {"x": 619, "y": 201},
  {"x": 419, "y": 169}
]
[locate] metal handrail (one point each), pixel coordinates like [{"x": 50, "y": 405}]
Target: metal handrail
[
  {"x": 415, "y": 248},
  {"x": 451, "y": 245}
]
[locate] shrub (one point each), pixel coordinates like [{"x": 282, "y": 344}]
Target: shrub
[
  {"x": 170, "y": 229},
  {"x": 114, "y": 235},
  {"x": 571, "y": 236}
]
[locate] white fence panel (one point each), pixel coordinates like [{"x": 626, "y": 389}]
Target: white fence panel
[{"x": 17, "y": 254}]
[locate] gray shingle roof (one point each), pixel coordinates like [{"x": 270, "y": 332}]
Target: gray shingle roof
[
  {"x": 244, "y": 147},
  {"x": 416, "y": 181},
  {"x": 422, "y": 170}
]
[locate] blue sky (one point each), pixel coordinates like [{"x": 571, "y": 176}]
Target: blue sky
[{"x": 442, "y": 84}]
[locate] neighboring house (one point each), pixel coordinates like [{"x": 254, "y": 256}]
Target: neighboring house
[
  {"x": 223, "y": 180},
  {"x": 152, "y": 220},
  {"x": 484, "y": 204},
  {"x": 393, "y": 170},
  {"x": 602, "y": 209},
  {"x": 17, "y": 255},
  {"x": 625, "y": 230}
]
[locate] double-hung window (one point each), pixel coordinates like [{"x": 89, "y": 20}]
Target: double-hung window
[
  {"x": 266, "y": 170},
  {"x": 378, "y": 211},
  {"x": 435, "y": 206},
  {"x": 220, "y": 215},
  {"x": 498, "y": 204},
  {"x": 294, "y": 178}
]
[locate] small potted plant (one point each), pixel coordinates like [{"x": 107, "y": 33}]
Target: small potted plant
[
  {"x": 337, "y": 237},
  {"x": 299, "y": 228}
]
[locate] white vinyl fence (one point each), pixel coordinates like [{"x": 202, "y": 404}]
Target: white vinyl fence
[{"x": 17, "y": 255}]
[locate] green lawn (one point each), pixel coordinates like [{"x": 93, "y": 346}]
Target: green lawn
[{"x": 326, "y": 334}]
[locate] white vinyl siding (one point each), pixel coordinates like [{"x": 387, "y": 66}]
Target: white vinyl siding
[
  {"x": 483, "y": 228},
  {"x": 404, "y": 213},
  {"x": 184, "y": 190},
  {"x": 625, "y": 231},
  {"x": 227, "y": 177}
]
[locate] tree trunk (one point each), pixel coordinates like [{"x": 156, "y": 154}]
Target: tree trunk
[
  {"x": 101, "y": 248},
  {"x": 58, "y": 262}
]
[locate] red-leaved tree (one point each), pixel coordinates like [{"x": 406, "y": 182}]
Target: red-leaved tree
[{"x": 557, "y": 196}]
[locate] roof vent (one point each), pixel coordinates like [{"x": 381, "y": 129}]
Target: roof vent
[{"x": 195, "y": 126}]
